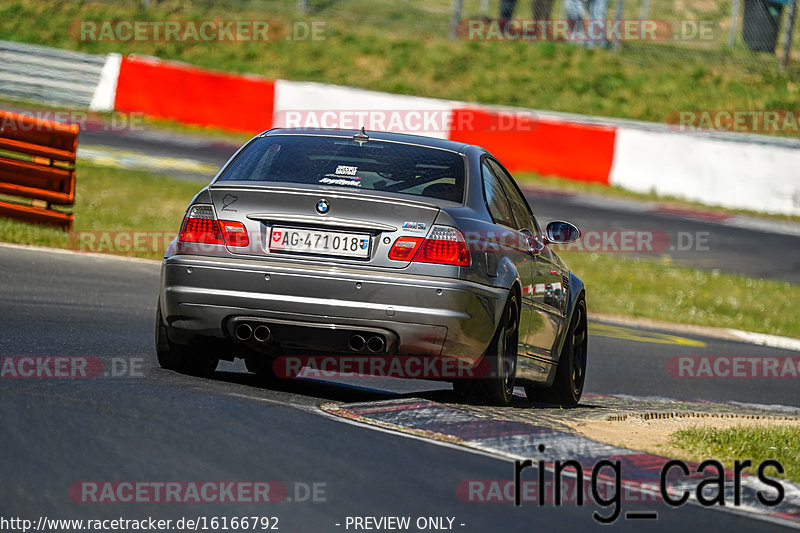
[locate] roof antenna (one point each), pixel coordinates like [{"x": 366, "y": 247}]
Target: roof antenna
[{"x": 361, "y": 137}]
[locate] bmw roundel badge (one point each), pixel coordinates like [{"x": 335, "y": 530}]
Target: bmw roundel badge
[{"x": 323, "y": 207}]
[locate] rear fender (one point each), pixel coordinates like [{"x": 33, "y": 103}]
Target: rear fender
[
  {"x": 507, "y": 277},
  {"x": 576, "y": 291}
]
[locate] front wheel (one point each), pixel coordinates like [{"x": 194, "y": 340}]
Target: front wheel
[{"x": 570, "y": 377}]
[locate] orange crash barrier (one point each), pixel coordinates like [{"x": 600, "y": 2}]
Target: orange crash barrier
[{"x": 37, "y": 164}]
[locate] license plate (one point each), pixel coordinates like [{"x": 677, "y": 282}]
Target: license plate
[{"x": 319, "y": 242}]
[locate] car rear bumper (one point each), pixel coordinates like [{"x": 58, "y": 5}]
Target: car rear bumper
[{"x": 420, "y": 315}]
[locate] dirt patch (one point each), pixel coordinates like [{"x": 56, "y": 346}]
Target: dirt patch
[
  {"x": 636, "y": 423},
  {"x": 652, "y": 433},
  {"x": 599, "y": 407}
]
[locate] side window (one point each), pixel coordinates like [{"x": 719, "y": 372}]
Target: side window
[
  {"x": 519, "y": 206},
  {"x": 495, "y": 198}
]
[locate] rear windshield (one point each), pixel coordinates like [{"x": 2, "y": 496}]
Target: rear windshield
[{"x": 349, "y": 164}]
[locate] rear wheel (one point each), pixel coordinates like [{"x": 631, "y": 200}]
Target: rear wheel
[
  {"x": 169, "y": 355},
  {"x": 571, "y": 371},
  {"x": 195, "y": 359},
  {"x": 199, "y": 360},
  {"x": 498, "y": 386}
]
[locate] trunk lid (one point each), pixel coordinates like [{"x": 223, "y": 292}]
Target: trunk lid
[{"x": 304, "y": 224}]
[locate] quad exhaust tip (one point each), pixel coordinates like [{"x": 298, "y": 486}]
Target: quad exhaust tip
[
  {"x": 243, "y": 332},
  {"x": 262, "y": 333},
  {"x": 375, "y": 344},
  {"x": 356, "y": 343}
]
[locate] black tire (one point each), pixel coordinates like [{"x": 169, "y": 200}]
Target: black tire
[
  {"x": 170, "y": 356},
  {"x": 261, "y": 365},
  {"x": 466, "y": 389},
  {"x": 199, "y": 360},
  {"x": 498, "y": 387},
  {"x": 195, "y": 359},
  {"x": 570, "y": 377}
]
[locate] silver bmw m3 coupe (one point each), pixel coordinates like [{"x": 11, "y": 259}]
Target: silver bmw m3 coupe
[{"x": 416, "y": 253}]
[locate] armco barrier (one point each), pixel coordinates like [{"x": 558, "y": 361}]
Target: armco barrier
[
  {"x": 38, "y": 163},
  {"x": 197, "y": 96},
  {"x": 48, "y": 74}
]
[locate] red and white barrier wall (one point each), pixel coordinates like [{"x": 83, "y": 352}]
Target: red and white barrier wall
[
  {"x": 189, "y": 94},
  {"x": 720, "y": 171},
  {"x": 725, "y": 170}
]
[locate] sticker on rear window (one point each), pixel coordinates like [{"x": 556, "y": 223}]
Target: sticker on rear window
[
  {"x": 340, "y": 181},
  {"x": 343, "y": 175},
  {"x": 346, "y": 170}
]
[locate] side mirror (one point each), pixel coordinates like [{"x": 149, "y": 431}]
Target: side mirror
[{"x": 560, "y": 232}]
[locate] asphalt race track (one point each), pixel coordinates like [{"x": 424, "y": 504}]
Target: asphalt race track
[{"x": 152, "y": 424}]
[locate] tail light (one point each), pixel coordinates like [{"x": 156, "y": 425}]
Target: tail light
[
  {"x": 235, "y": 233},
  {"x": 201, "y": 226},
  {"x": 404, "y": 248},
  {"x": 443, "y": 245}
]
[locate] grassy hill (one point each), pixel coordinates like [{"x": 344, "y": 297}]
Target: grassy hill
[{"x": 403, "y": 46}]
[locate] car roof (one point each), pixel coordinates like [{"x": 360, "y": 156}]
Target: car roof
[{"x": 420, "y": 140}]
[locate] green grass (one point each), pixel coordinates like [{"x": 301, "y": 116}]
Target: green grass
[
  {"x": 661, "y": 291},
  {"x": 108, "y": 201},
  {"x": 403, "y": 47},
  {"x": 756, "y": 443}
]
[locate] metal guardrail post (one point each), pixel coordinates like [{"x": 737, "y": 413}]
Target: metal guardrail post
[
  {"x": 456, "y": 18},
  {"x": 788, "y": 32},
  {"x": 644, "y": 11},
  {"x": 735, "y": 9},
  {"x": 617, "y": 16}
]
